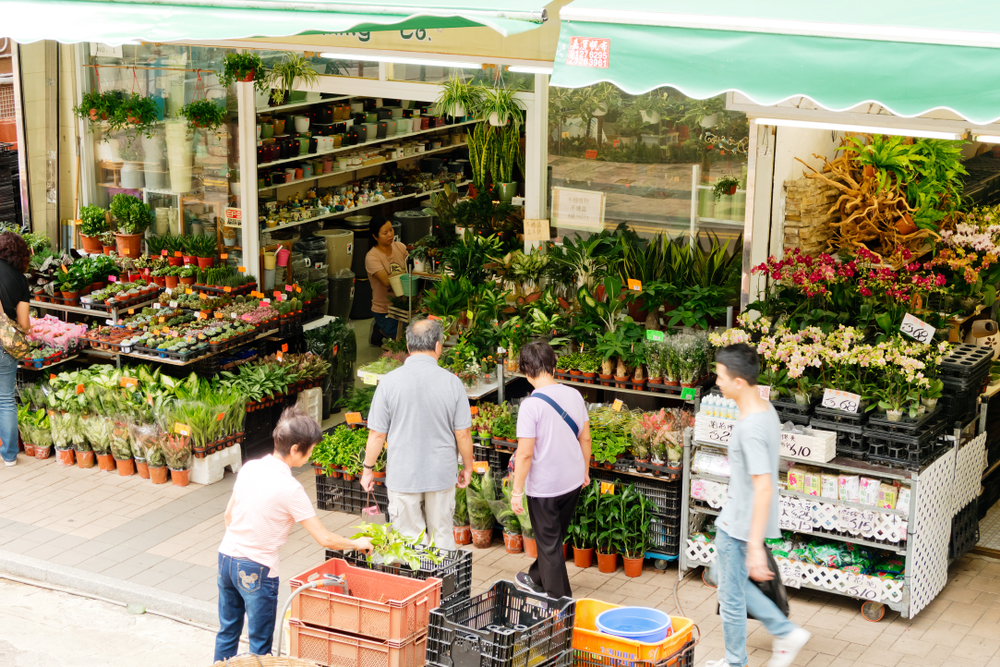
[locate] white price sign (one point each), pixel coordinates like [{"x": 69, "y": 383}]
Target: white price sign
[
  {"x": 855, "y": 521},
  {"x": 795, "y": 515},
  {"x": 720, "y": 430},
  {"x": 861, "y": 586},
  {"x": 792, "y": 447},
  {"x": 917, "y": 329},
  {"x": 370, "y": 378},
  {"x": 789, "y": 572},
  {"x": 764, "y": 391},
  {"x": 841, "y": 400}
]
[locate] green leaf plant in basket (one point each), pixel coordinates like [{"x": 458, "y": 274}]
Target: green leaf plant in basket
[
  {"x": 727, "y": 185},
  {"x": 246, "y": 67},
  {"x": 204, "y": 114},
  {"x": 478, "y": 494},
  {"x": 389, "y": 546}
]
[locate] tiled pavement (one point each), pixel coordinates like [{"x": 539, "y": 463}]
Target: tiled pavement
[{"x": 167, "y": 538}]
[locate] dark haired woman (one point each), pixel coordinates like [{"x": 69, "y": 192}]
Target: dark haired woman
[
  {"x": 14, "y": 297},
  {"x": 267, "y": 501},
  {"x": 386, "y": 258},
  {"x": 551, "y": 465}
]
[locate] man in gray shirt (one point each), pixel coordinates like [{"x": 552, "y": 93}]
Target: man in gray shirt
[
  {"x": 750, "y": 515},
  {"x": 423, "y": 412}
]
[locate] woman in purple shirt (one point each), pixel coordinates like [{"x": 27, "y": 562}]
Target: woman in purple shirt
[{"x": 553, "y": 453}]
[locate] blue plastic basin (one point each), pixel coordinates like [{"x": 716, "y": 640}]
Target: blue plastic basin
[{"x": 641, "y": 624}]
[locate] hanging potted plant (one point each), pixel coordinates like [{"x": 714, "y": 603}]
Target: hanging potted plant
[
  {"x": 132, "y": 217},
  {"x": 93, "y": 223},
  {"x": 499, "y": 106},
  {"x": 459, "y": 99},
  {"x": 97, "y": 107},
  {"x": 246, "y": 67},
  {"x": 137, "y": 113},
  {"x": 727, "y": 185},
  {"x": 285, "y": 75},
  {"x": 204, "y": 114}
]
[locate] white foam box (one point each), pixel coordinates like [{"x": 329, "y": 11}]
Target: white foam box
[
  {"x": 812, "y": 445},
  {"x": 311, "y": 400},
  {"x": 212, "y": 468}
]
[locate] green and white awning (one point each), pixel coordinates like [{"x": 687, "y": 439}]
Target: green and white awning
[
  {"x": 119, "y": 21},
  {"x": 910, "y": 56}
]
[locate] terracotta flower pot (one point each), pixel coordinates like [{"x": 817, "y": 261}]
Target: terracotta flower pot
[
  {"x": 655, "y": 380},
  {"x": 171, "y": 281},
  {"x": 43, "y": 452},
  {"x": 85, "y": 459},
  {"x": 633, "y": 566},
  {"x": 180, "y": 477},
  {"x": 463, "y": 535},
  {"x": 71, "y": 296},
  {"x": 205, "y": 262},
  {"x": 160, "y": 281},
  {"x": 65, "y": 457},
  {"x": 604, "y": 379},
  {"x": 607, "y": 563},
  {"x": 158, "y": 474},
  {"x": 589, "y": 377},
  {"x": 514, "y": 543},
  {"x": 348, "y": 477},
  {"x": 129, "y": 245},
  {"x": 142, "y": 468},
  {"x": 620, "y": 380},
  {"x": 91, "y": 244},
  {"x": 380, "y": 478},
  {"x": 175, "y": 261},
  {"x": 481, "y": 539},
  {"x": 108, "y": 249},
  {"x": 530, "y": 547},
  {"x": 583, "y": 557},
  {"x": 671, "y": 383},
  {"x": 189, "y": 280},
  {"x": 126, "y": 468},
  {"x": 29, "y": 450},
  {"x": 106, "y": 462},
  {"x": 905, "y": 225}
]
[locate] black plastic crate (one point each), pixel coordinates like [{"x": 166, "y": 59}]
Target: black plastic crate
[
  {"x": 917, "y": 462},
  {"x": 454, "y": 571},
  {"x": 491, "y": 456},
  {"x": 906, "y": 426},
  {"x": 682, "y": 658},
  {"x": 503, "y": 627},
  {"x": 334, "y": 494},
  {"x": 830, "y": 415},
  {"x": 787, "y": 406},
  {"x": 966, "y": 360},
  {"x": 664, "y": 493},
  {"x": 794, "y": 417},
  {"x": 964, "y": 530},
  {"x": 664, "y": 535},
  {"x": 850, "y": 437},
  {"x": 564, "y": 659},
  {"x": 959, "y": 406}
]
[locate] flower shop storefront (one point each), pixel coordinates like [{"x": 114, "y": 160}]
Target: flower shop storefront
[{"x": 869, "y": 271}]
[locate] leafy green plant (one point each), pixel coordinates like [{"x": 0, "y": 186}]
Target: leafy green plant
[
  {"x": 480, "y": 491},
  {"x": 137, "y": 113},
  {"x": 609, "y": 531},
  {"x": 461, "y": 517},
  {"x": 636, "y": 512},
  {"x": 204, "y": 114},
  {"x": 243, "y": 66},
  {"x": 389, "y": 546},
  {"x": 500, "y": 106},
  {"x": 725, "y": 186},
  {"x": 456, "y": 96},
  {"x": 449, "y": 298},
  {"x": 201, "y": 246},
  {"x": 583, "y": 528},
  {"x": 293, "y": 70},
  {"x": 93, "y": 221},
  {"x": 131, "y": 215},
  {"x": 97, "y": 107}
]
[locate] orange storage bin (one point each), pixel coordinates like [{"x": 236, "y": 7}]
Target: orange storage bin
[
  {"x": 380, "y": 606},
  {"x": 335, "y": 649},
  {"x": 586, "y": 636}
]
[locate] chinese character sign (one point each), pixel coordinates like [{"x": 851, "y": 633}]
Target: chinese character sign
[
  {"x": 577, "y": 209},
  {"x": 589, "y": 52}
]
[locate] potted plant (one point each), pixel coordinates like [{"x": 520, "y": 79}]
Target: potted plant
[
  {"x": 121, "y": 449},
  {"x": 93, "y": 223},
  {"x": 480, "y": 490},
  {"x": 293, "y": 70},
  {"x": 178, "y": 454},
  {"x": 609, "y": 533},
  {"x": 461, "y": 528},
  {"x": 459, "y": 99},
  {"x": 588, "y": 364},
  {"x": 505, "y": 516},
  {"x": 582, "y": 528},
  {"x": 203, "y": 248},
  {"x": 204, "y": 114},
  {"x": 108, "y": 242},
  {"x": 389, "y": 547},
  {"x": 81, "y": 445},
  {"x": 245, "y": 67},
  {"x": 132, "y": 217},
  {"x": 96, "y": 106},
  {"x": 187, "y": 274},
  {"x": 727, "y": 185},
  {"x": 156, "y": 462},
  {"x": 138, "y": 113},
  {"x": 636, "y": 512}
]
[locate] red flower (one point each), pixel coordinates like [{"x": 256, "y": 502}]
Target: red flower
[
  {"x": 940, "y": 280},
  {"x": 865, "y": 291}
]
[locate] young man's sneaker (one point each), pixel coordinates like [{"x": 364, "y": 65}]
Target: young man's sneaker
[
  {"x": 526, "y": 584},
  {"x": 784, "y": 649},
  {"x": 10, "y": 464}
]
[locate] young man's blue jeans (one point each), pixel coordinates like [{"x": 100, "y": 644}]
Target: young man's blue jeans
[
  {"x": 8, "y": 408},
  {"x": 244, "y": 587},
  {"x": 737, "y": 595}
]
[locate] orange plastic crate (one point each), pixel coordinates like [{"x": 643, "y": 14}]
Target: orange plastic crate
[
  {"x": 586, "y": 636},
  {"x": 380, "y": 606},
  {"x": 335, "y": 649}
]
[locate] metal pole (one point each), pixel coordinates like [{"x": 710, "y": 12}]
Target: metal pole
[{"x": 695, "y": 178}]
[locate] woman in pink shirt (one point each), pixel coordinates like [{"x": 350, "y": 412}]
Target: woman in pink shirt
[{"x": 267, "y": 501}]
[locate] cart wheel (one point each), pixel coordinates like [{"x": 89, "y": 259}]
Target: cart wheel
[
  {"x": 706, "y": 578},
  {"x": 660, "y": 564},
  {"x": 873, "y": 611}
]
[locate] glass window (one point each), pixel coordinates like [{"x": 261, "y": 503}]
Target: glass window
[
  {"x": 490, "y": 76},
  {"x": 643, "y": 153},
  {"x": 186, "y": 170}
]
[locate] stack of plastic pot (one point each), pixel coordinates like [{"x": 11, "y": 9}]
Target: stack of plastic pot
[
  {"x": 179, "y": 155},
  {"x": 380, "y": 621}
]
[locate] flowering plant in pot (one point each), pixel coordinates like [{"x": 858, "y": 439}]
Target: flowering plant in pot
[
  {"x": 245, "y": 67},
  {"x": 93, "y": 222}
]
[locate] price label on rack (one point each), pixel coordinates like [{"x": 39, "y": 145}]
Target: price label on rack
[
  {"x": 131, "y": 311},
  {"x": 241, "y": 269},
  {"x": 764, "y": 391},
  {"x": 474, "y": 409},
  {"x": 789, "y": 572},
  {"x": 792, "y": 447},
  {"x": 188, "y": 290},
  {"x": 182, "y": 429},
  {"x": 79, "y": 389},
  {"x": 688, "y": 393},
  {"x": 288, "y": 288},
  {"x": 52, "y": 376},
  {"x": 128, "y": 382},
  {"x": 177, "y": 253},
  {"x": 280, "y": 356},
  {"x": 917, "y": 329},
  {"x": 635, "y": 285},
  {"x": 353, "y": 417},
  {"x": 617, "y": 405},
  {"x": 653, "y": 334},
  {"x": 112, "y": 279},
  {"x": 480, "y": 467},
  {"x": 224, "y": 256},
  {"x": 841, "y": 400},
  {"x": 370, "y": 378},
  {"x": 856, "y": 521},
  {"x": 218, "y": 315},
  {"x": 608, "y": 488},
  {"x": 720, "y": 430},
  {"x": 284, "y": 347},
  {"x": 862, "y": 586},
  {"x": 173, "y": 304},
  {"x": 163, "y": 253},
  {"x": 795, "y": 514},
  {"x": 227, "y": 289},
  {"x": 157, "y": 306}
]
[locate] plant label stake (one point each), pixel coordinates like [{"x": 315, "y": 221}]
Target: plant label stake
[
  {"x": 917, "y": 329},
  {"x": 687, "y": 393},
  {"x": 841, "y": 400},
  {"x": 653, "y": 334},
  {"x": 480, "y": 467},
  {"x": 617, "y": 405},
  {"x": 370, "y": 378},
  {"x": 635, "y": 285},
  {"x": 353, "y": 417},
  {"x": 608, "y": 488}
]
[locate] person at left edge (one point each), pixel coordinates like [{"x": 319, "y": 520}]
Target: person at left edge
[
  {"x": 14, "y": 297},
  {"x": 266, "y": 502}
]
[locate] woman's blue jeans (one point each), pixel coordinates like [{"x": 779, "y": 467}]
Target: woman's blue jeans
[
  {"x": 245, "y": 588},
  {"x": 8, "y": 408}
]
